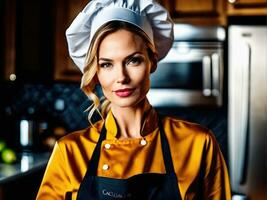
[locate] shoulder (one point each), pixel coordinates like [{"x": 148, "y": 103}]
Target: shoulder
[
  {"x": 180, "y": 129},
  {"x": 179, "y": 124},
  {"x": 191, "y": 138},
  {"x": 183, "y": 123},
  {"x": 87, "y": 135}
]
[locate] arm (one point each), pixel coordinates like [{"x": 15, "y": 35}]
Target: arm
[
  {"x": 216, "y": 185},
  {"x": 55, "y": 182}
]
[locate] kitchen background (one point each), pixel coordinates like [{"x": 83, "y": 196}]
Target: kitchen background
[{"x": 39, "y": 82}]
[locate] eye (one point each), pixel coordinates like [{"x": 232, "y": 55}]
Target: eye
[
  {"x": 136, "y": 60},
  {"x": 105, "y": 65}
]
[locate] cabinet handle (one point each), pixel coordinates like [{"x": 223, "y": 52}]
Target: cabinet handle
[
  {"x": 232, "y": 1},
  {"x": 239, "y": 197},
  {"x": 12, "y": 77},
  {"x": 240, "y": 112},
  {"x": 215, "y": 74},
  {"x": 243, "y": 148},
  {"x": 206, "y": 64}
]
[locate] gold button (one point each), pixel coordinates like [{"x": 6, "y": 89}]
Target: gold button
[
  {"x": 107, "y": 146},
  {"x": 105, "y": 167},
  {"x": 143, "y": 142}
]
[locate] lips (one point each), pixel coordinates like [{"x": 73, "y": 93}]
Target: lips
[{"x": 124, "y": 92}]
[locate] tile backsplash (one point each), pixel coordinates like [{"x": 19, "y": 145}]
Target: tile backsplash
[
  {"x": 59, "y": 104},
  {"x": 63, "y": 102}
]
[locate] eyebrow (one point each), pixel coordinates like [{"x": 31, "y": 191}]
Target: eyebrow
[{"x": 126, "y": 58}]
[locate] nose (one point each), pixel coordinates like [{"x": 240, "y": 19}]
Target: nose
[{"x": 122, "y": 75}]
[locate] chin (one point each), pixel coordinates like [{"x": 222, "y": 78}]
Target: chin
[{"x": 129, "y": 102}]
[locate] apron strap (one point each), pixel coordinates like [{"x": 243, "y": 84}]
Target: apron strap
[
  {"x": 93, "y": 163},
  {"x": 165, "y": 148},
  {"x": 84, "y": 192}
]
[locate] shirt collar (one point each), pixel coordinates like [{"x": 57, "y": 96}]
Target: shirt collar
[{"x": 148, "y": 126}]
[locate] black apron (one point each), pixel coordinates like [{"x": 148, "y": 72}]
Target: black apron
[{"x": 145, "y": 186}]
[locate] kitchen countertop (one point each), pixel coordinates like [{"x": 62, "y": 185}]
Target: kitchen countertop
[{"x": 27, "y": 163}]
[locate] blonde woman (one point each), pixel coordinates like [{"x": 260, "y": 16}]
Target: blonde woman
[{"x": 133, "y": 152}]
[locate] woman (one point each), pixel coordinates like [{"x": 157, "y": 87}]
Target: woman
[{"x": 133, "y": 153}]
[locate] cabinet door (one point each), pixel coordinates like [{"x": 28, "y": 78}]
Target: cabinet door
[
  {"x": 190, "y": 7},
  {"x": 28, "y": 40},
  {"x": 196, "y": 11},
  {"x": 66, "y": 11},
  {"x": 2, "y": 42},
  {"x": 247, "y": 7},
  {"x": 9, "y": 42}
]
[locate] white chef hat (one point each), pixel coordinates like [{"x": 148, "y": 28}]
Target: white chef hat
[{"x": 148, "y": 15}]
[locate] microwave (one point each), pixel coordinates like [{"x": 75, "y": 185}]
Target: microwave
[{"x": 191, "y": 74}]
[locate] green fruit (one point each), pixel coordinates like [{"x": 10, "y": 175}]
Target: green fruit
[
  {"x": 8, "y": 156},
  {"x": 2, "y": 145}
]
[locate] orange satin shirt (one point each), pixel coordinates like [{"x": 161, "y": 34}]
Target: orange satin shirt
[{"x": 197, "y": 159}]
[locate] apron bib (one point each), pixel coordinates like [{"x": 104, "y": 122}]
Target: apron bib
[{"x": 147, "y": 186}]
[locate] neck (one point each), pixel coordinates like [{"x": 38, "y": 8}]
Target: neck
[{"x": 129, "y": 119}]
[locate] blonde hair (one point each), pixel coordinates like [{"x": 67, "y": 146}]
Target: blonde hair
[{"x": 89, "y": 79}]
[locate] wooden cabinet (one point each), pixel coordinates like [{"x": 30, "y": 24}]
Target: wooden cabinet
[
  {"x": 66, "y": 11},
  {"x": 2, "y": 41},
  {"x": 8, "y": 38},
  {"x": 28, "y": 39},
  {"x": 247, "y": 7},
  {"x": 213, "y": 12},
  {"x": 203, "y": 12},
  {"x": 33, "y": 41}
]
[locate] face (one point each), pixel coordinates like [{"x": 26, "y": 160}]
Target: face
[{"x": 124, "y": 68}]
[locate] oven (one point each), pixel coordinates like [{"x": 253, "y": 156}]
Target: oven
[{"x": 192, "y": 72}]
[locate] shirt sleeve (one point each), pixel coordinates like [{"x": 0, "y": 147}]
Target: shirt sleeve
[
  {"x": 216, "y": 184},
  {"x": 55, "y": 183}
]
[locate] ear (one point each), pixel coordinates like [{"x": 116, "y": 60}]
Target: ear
[{"x": 154, "y": 64}]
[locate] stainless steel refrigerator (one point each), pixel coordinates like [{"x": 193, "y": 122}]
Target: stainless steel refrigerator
[{"x": 247, "y": 125}]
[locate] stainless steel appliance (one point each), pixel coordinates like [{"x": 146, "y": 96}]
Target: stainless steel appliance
[
  {"x": 248, "y": 111},
  {"x": 192, "y": 72}
]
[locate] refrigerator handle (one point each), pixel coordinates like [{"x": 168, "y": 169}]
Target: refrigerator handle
[
  {"x": 206, "y": 68},
  {"x": 239, "y": 197},
  {"x": 242, "y": 158},
  {"x": 215, "y": 74}
]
